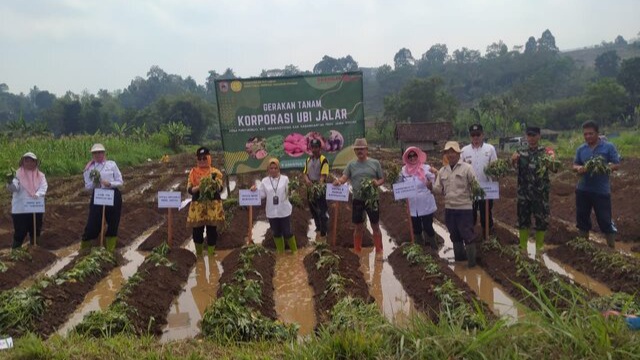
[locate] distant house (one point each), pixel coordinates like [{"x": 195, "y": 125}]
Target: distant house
[
  {"x": 428, "y": 136},
  {"x": 549, "y": 134}
]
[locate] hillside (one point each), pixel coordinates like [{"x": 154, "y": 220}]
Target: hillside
[{"x": 588, "y": 55}]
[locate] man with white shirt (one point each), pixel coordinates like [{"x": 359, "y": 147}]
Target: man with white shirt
[{"x": 479, "y": 155}]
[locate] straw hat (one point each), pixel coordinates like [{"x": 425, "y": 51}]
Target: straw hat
[
  {"x": 360, "y": 143},
  {"x": 97, "y": 148},
  {"x": 452, "y": 145}
]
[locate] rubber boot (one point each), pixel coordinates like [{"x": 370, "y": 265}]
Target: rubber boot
[
  {"x": 377, "y": 243},
  {"x": 279, "y": 244},
  {"x": 211, "y": 250},
  {"x": 539, "y": 240},
  {"x": 199, "y": 248},
  {"x": 584, "y": 234},
  {"x": 459, "y": 253},
  {"x": 420, "y": 239},
  {"x": 85, "y": 244},
  {"x": 471, "y": 255},
  {"x": 357, "y": 243},
  {"x": 524, "y": 237},
  {"x": 110, "y": 243},
  {"x": 292, "y": 244},
  {"x": 611, "y": 240},
  {"x": 431, "y": 240}
]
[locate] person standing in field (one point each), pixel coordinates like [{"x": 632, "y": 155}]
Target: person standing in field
[
  {"x": 363, "y": 168},
  {"x": 479, "y": 155},
  {"x": 275, "y": 189},
  {"x": 28, "y": 183},
  {"x": 205, "y": 210},
  {"x": 455, "y": 182},
  {"x": 594, "y": 190},
  {"x": 316, "y": 170},
  {"x": 100, "y": 173},
  {"x": 423, "y": 205},
  {"x": 533, "y": 164}
]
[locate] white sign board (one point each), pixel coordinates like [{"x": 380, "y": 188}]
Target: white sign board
[
  {"x": 169, "y": 199},
  {"x": 32, "y": 206},
  {"x": 404, "y": 190},
  {"x": 103, "y": 197},
  {"x": 491, "y": 190},
  {"x": 249, "y": 198},
  {"x": 338, "y": 193},
  {"x": 6, "y": 343}
]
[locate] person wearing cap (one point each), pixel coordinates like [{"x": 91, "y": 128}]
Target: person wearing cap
[
  {"x": 533, "y": 188},
  {"x": 356, "y": 171},
  {"x": 454, "y": 181},
  {"x": 423, "y": 205},
  {"x": 100, "y": 173},
  {"x": 316, "y": 170},
  {"x": 28, "y": 183},
  {"x": 593, "y": 191},
  {"x": 204, "y": 212},
  {"x": 479, "y": 155},
  {"x": 275, "y": 189}
]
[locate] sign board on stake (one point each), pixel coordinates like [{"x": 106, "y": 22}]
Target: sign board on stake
[
  {"x": 103, "y": 197},
  {"x": 338, "y": 193},
  {"x": 249, "y": 198},
  {"x": 169, "y": 199},
  {"x": 404, "y": 190}
]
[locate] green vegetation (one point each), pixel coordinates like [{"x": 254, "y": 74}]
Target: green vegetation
[
  {"x": 597, "y": 166},
  {"x": 498, "y": 169},
  {"x": 369, "y": 193}
]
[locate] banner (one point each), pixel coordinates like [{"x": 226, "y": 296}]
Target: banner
[{"x": 261, "y": 118}]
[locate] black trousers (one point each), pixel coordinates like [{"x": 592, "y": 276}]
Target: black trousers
[
  {"x": 478, "y": 205},
  {"x": 319, "y": 211},
  {"x": 281, "y": 227},
  {"x": 212, "y": 235},
  {"x": 112, "y": 216},
  {"x": 23, "y": 225}
]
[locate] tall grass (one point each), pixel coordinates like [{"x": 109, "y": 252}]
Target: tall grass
[
  {"x": 69, "y": 155},
  {"x": 627, "y": 143}
]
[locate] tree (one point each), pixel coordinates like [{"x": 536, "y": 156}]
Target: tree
[
  {"x": 436, "y": 55},
  {"x": 531, "y": 46},
  {"x": 620, "y": 40},
  {"x": 331, "y": 65},
  {"x": 496, "y": 50},
  {"x": 4, "y": 87},
  {"x": 629, "y": 77},
  {"x": 547, "y": 42},
  {"x": 606, "y": 101},
  {"x": 607, "y": 63},
  {"x": 466, "y": 56},
  {"x": 403, "y": 58},
  {"x": 422, "y": 100}
]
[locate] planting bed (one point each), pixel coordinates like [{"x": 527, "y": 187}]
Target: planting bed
[
  {"x": 299, "y": 225},
  {"x": 344, "y": 234},
  {"x": 26, "y": 266}
]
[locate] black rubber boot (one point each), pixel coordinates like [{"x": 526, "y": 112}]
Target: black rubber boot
[
  {"x": 459, "y": 253},
  {"x": 471, "y": 255}
]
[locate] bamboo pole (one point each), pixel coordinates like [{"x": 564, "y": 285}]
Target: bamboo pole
[
  {"x": 410, "y": 227},
  {"x": 35, "y": 229},
  {"x": 250, "y": 230},
  {"x": 334, "y": 231},
  {"x": 102, "y": 225},
  {"x": 170, "y": 227}
]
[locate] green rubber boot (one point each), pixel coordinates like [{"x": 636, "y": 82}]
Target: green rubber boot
[
  {"x": 199, "y": 248},
  {"x": 279, "y": 244},
  {"x": 524, "y": 236},
  {"x": 211, "y": 250},
  {"x": 110, "y": 243},
  {"x": 85, "y": 244},
  {"x": 539, "y": 240},
  {"x": 293, "y": 245}
]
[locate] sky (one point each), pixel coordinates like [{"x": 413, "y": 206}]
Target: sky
[{"x": 88, "y": 45}]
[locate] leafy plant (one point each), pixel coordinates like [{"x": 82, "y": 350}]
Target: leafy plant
[
  {"x": 19, "y": 254},
  {"x": 9, "y": 175},
  {"x": 597, "y": 166},
  {"x": 477, "y": 192},
  {"x": 316, "y": 191},
  {"x": 3, "y": 267},
  {"x": 392, "y": 173},
  {"x": 94, "y": 175},
  {"x": 369, "y": 193},
  {"x": 209, "y": 187},
  {"x": 498, "y": 169}
]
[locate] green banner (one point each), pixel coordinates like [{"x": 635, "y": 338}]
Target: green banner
[{"x": 261, "y": 118}]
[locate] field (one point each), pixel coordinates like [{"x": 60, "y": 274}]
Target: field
[{"x": 155, "y": 301}]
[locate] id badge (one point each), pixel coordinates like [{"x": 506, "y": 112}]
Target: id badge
[{"x": 276, "y": 200}]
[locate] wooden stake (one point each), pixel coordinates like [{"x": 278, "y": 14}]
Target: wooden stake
[
  {"x": 334, "y": 231},
  {"x": 34, "y": 230},
  {"x": 486, "y": 219},
  {"x": 250, "y": 231},
  {"x": 410, "y": 226},
  {"x": 170, "y": 228},
  {"x": 104, "y": 207}
]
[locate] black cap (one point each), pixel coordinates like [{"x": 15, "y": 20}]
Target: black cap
[
  {"x": 475, "y": 127},
  {"x": 202, "y": 151},
  {"x": 533, "y": 130},
  {"x": 315, "y": 143}
]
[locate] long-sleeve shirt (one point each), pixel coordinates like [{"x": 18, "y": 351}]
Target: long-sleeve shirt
[
  {"x": 479, "y": 157},
  {"x": 455, "y": 184},
  {"x": 20, "y": 194},
  {"x": 108, "y": 171},
  {"x": 270, "y": 187},
  {"x": 424, "y": 203}
]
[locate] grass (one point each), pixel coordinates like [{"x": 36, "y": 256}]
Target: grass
[{"x": 627, "y": 143}]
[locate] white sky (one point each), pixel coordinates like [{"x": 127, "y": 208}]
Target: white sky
[{"x": 77, "y": 45}]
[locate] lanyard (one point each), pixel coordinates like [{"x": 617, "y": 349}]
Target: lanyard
[{"x": 275, "y": 189}]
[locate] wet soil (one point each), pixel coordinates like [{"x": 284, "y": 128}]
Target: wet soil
[
  {"x": 234, "y": 235},
  {"x": 180, "y": 233},
  {"x": 153, "y": 296},
  {"x": 300, "y": 226},
  {"x": 344, "y": 233},
  {"x": 348, "y": 268},
  {"x": 265, "y": 265},
  {"x": 395, "y": 219},
  {"x": 24, "y": 268}
]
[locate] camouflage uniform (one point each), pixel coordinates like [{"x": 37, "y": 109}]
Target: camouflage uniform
[{"x": 533, "y": 190}]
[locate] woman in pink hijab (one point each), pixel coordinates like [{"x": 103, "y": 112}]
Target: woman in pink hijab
[
  {"x": 28, "y": 183},
  {"x": 423, "y": 206}
]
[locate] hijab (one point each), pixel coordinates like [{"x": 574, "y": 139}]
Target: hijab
[
  {"x": 200, "y": 171},
  {"x": 29, "y": 179}
]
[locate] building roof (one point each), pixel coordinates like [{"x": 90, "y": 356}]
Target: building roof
[{"x": 424, "y": 131}]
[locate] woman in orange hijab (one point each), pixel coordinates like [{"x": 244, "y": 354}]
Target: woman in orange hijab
[{"x": 205, "y": 184}]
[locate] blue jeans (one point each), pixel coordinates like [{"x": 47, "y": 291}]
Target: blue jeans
[{"x": 601, "y": 205}]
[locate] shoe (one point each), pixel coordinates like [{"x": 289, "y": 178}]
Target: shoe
[
  {"x": 471, "y": 255},
  {"x": 459, "y": 254}
]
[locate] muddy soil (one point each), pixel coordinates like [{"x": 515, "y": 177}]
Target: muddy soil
[
  {"x": 395, "y": 219},
  {"x": 300, "y": 226},
  {"x": 180, "y": 232},
  {"x": 344, "y": 233},
  {"x": 235, "y": 234},
  {"x": 265, "y": 265},
  {"x": 24, "y": 268},
  {"x": 153, "y": 296},
  {"x": 348, "y": 268}
]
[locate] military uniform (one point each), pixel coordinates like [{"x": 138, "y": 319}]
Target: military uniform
[{"x": 533, "y": 188}]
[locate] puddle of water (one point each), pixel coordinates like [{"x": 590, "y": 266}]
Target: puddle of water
[
  {"x": 576, "y": 276},
  {"x": 64, "y": 256},
  {"x": 199, "y": 291},
  {"x": 105, "y": 291},
  {"x": 479, "y": 281},
  {"x": 175, "y": 186},
  {"x": 396, "y": 305},
  {"x": 258, "y": 231},
  {"x": 311, "y": 233},
  {"x": 293, "y": 295}
]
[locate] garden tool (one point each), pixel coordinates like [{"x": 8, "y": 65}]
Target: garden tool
[
  {"x": 471, "y": 255},
  {"x": 199, "y": 248},
  {"x": 459, "y": 253},
  {"x": 292, "y": 244},
  {"x": 377, "y": 242},
  {"x": 539, "y": 240},
  {"x": 524, "y": 236},
  {"x": 279, "y": 244},
  {"x": 357, "y": 242},
  {"x": 110, "y": 243},
  {"x": 611, "y": 240},
  {"x": 211, "y": 250}
]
